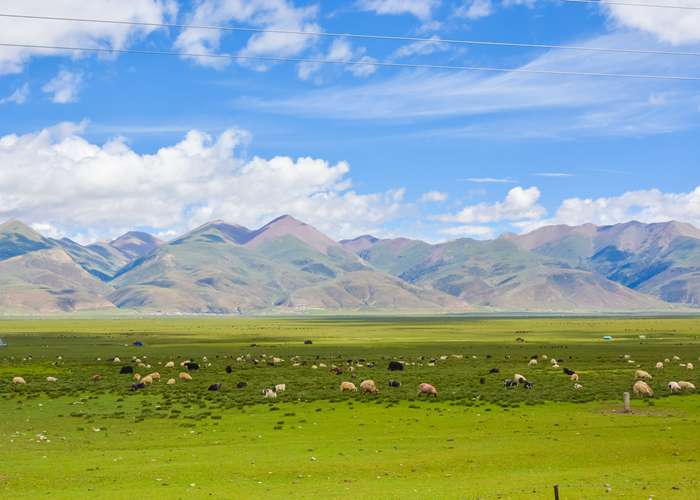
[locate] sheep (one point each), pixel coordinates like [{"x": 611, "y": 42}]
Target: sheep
[
  {"x": 641, "y": 388},
  {"x": 314, "y": 367},
  {"x": 674, "y": 387},
  {"x": 347, "y": 386},
  {"x": 676, "y": 358},
  {"x": 427, "y": 389},
  {"x": 51, "y": 379},
  {"x": 368, "y": 386},
  {"x": 136, "y": 377},
  {"x": 185, "y": 376},
  {"x": 532, "y": 362},
  {"x": 155, "y": 376},
  {"x": 170, "y": 364},
  {"x": 280, "y": 387},
  {"x": 641, "y": 374},
  {"x": 116, "y": 360},
  {"x": 544, "y": 356},
  {"x": 556, "y": 367},
  {"x": 667, "y": 361},
  {"x": 147, "y": 380},
  {"x": 171, "y": 381},
  {"x": 553, "y": 361},
  {"x": 689, "y": 366},
  {"x": 578, "y": 387},
  {"x": 19, "y": 381},
  {"x": 519, "y": 379},
  {"x": 686, "y": 385},
  {"x": 574, "y": 377},
  {"x": 269, "y": 394},
  {"x": 659, "y": 365}
]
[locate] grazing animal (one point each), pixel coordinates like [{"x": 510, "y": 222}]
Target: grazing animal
[
  {"x": 51, "y": 379},
  {"x": 427, "y": 389},
  {"x": 96, "y": 377},
  {"x": 494, "y": 370},
  {"x": 641, "y": 374},
  {"x": 19, "y": 381},
  {"x": 519, "y": 379},
  {"x": 155, "y": 376},
  {"x": 170, "y": 364},
  {"x": 641, "y": 388},
  {"x": 686, "y": 386},
  {"x": 509, "y": 384},
  {"x": 269, "y": 394},
  {"x": 578, "y": 387},
  {"x": 676, "y": 358},
  {"x": 674, "y": 387},
  {"x": 192, "y": 366},
  {"x": 532, "y": 362},
  {"x": 568, "y": 371},
  {"x": 136, "y": 377},
  {"x": 659, "y": 365},
  {"x": 368, "y": 386},
  {"x": 482, "y": 380},
  {"x": 574, "y": 377},
  {"x": 528, "y": 385},
  {"x": 171, "y": 381},
  {"x": 185, "y": 376},
  {"x": 126, "y": 369},
  {"x": 147, "y": 380},
  {"x": 394, "y": 383},
  {"x": 137, "y": 386},
  {"x": 116, "y": 360},
  {"x": 242, "y": 385},
  {"x": 280, "y": 387},
  {"x": 229, "y": 370},
  {"x": 337, "y": 370},
  {"x": 690, "y": 366},
  {"x": 308, "y": 342},
  {"x": 214, "y": 387},
  {"x": 395, "y": 366},
  {"x": 347, "y": 386}
]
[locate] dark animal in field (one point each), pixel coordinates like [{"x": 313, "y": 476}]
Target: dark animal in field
[
  {"x": 138, "y": 343},
  {"x": 337, "y": 370},
  {"x": 214, "y": 387},
  {"x": 253, "y": 345},
  {"x": 488, "y": 356},
  {"x": 568, "y": 371},
  {"x": 395, "y": 366},
  {"x": 482, "y": 380},
  {"x": 494, "y": 370},
  {"x": 509, "y": 384},
  {"x": 242, "y": 385},
  {"x": 534, "y": 356},
  {"x": 229, "y": 370},
  {"x": 520, "y": 339},
  {"x": 192, "y": 366},
  {"x": 137, "y": 386},
  {"x": 528, "y": 385},
  {"x": 126, "y": 369},
  {"x": 308, "y": 342},
  {"x": 394, "y": 383}
]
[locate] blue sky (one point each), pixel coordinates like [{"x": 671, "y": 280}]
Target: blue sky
[{"x": 91, "y": 146}]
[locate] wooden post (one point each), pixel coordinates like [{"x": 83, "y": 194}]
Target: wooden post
[
  {"x": 556, "y": 492},
  {"x": 626, "y": 400}
]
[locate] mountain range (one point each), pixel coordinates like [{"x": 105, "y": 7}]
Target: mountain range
[{"x": 289, "y": 266}]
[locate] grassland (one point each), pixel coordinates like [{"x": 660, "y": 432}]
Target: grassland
[{"x": 79, "y": 437}]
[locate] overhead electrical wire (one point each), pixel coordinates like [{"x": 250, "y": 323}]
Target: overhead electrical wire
[
  {"x": 364, "y": 36},
  {"x": 636, "y": 4},
  {"x": 352, "y": 62}
]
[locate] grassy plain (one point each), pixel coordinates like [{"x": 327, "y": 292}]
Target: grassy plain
[{"x": 79, "y": 437}]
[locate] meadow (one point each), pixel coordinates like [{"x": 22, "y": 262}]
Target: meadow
[{"x": 477, "y": 439}]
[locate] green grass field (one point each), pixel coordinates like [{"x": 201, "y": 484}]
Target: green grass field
[{"x": 100, "y": 439}]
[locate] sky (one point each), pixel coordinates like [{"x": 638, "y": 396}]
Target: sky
[{"x": 93, "y": 145}]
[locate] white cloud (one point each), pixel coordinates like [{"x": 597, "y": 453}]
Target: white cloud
[
  {"x": 85, "y": 190},
  {"x": 675, "y": 26},
  {"x": 64, "y": 87},
  {"x": 434, "y": 197},
  {"x": 19, "y": 96},
  {"x": 519, "y": 204},
  {"x": 553, "y": 174},
  {"x": 12, "y": 60},
  {"x": 421, "y": 48},
  {"x": 475, "y": 9},
  {"x": 651, "y": 205},
  {"x": 480, "y": 232},
  {"x": 339, "y": 50},
  {"x": 422, "y": 9},
  {"x": 271, "y": 14}
]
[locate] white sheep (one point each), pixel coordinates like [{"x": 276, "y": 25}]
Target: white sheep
[
  {"x": 269, "y": 394},
  {"x": 18, "y": 381},
  {"x": 280, "y": 387},
  {"x": 690, "y": 366},
  {"x": 519, "y": 379},
  {"x": 578, "y": 387},
  {"x": 532, "y": 362},
  {"x": 641, "y": 374},
  {"x": 659, "y": 366},
  {"x": 674, "y": 387},
  {"x": 641, "y": 388},
  {"x": 689, "y": 386},
  {"x": 170, "y": 364},
  {"x": 574, "y": 377},
  {"x": 51, "y": 379}
]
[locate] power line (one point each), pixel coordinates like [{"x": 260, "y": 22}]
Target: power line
[
  {"x": 364, "y": 36},
  {"x": 634, "y": 4},
  {"x": 353, "y": 62}
]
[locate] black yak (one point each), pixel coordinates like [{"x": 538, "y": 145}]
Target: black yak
[
  {"x": 126, "y": 369},
  {"x": 192, "y": 366},
  {"x": 394, "y": 383},
  {"x": 395, "y": 366},
  {"x": 214, "y": 387}
]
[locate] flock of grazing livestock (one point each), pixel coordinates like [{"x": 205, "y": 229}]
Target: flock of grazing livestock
[{"x": 640, "y": 386}]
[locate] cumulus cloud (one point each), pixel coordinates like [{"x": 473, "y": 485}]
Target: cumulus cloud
[
  {"x": 475, "y": 9},
  {"x": 433, "y": 197},
  {"x": 519, "y": 204},
  {"x": 57, "y": 178},
  {"x": 650, "y": 205},
  {"x": 271, "y": 14},
  {"x": 64, "y": 87},
  {"x": 13, "y": 60},
  {"x": 479, "y": 232},
  {"x": 675, "y": 26},
  {"x": 422, "y": 9},
  {"x": 19, "y": 96}
]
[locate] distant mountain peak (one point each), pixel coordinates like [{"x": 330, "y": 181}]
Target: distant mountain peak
[
  {"x": 136, "y": 244},
  {"x": 286, "y": 225}
]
